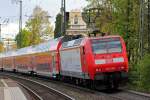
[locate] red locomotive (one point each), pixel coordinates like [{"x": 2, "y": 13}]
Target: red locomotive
[{"x": 89, "y": 61}]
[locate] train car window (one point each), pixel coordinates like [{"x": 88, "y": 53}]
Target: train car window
[
  {"x": 99, "y": 47},
  {"x": 72, "y": 43},
  {"x": 114, "y": 46},
  {"x": 110, "y": 45},
  {"x": 64, "y": 44},
  {"x": 77, "y": 42}
]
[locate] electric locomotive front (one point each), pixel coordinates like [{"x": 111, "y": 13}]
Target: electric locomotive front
[{"x": 109, "y": 60}]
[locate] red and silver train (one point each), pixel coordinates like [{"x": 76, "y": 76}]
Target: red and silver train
[{"x": 88, "y": 60}]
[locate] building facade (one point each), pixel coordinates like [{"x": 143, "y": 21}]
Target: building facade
[{"x": 77, "y": 26}]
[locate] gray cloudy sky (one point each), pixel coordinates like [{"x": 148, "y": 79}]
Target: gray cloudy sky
[{"x": 9, "y": 9}]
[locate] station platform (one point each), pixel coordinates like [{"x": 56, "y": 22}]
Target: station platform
[{"x": 10, "y": 90}]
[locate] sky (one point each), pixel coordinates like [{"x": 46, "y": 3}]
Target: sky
[{"x": 9, "y": 10}]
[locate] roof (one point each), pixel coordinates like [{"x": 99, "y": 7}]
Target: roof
[
  {"x": 72, "y": 43},
  {"x": 102, "y": 37},
  {"x": 43, "y": 47}
]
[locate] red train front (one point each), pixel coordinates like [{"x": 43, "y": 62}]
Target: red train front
[{"x": 107, "y": 60}]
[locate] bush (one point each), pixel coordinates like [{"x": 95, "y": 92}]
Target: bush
[{"x": 143, "y": 72}]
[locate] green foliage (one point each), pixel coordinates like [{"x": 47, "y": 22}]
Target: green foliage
[
  {"x": 143, "y": 73},
  {"x": 1, "y": 47},
  {"x": 37, "y": 28},
  {"x": 23, "y": 39},
  {"x": 39, "y": 25},
  {"x": 57, "y": 32},
  {"x": 104, "y": 18},
  {"x": 120, "y": 17},
  {"x": 58, "y": 23}
]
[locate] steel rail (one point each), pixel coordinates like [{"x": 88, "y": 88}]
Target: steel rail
[
  {"x": 54, "y": 91},
  {"x": 138, "y": 93},
  {"x": 32, "y": 93},
  {"x": 118, "y": 95}
]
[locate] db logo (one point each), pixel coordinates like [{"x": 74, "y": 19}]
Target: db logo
[
  {"x": 108, "y": 57},
  {"x": 109, "y": 60}
]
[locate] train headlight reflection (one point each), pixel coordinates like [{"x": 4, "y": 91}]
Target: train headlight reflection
[
  {"x": 121, "y": 59},
  {"x": 103, "y": 61}
]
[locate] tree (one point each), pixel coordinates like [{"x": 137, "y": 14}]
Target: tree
[
  {"x": 23, "y": 39},
  {"x": 57, "y": 31},
  {"x": 58, "y": 23},
  {"x": 143, "y": 70},
  {"x": 14, "y": 46},
  {"x": 125, "y": 21},
  {"x": 1, "y": 47},
  {"x": 39, "y": 25},
  {"x": 120, "y": 17},
  {"x": 101, "y": 19}
]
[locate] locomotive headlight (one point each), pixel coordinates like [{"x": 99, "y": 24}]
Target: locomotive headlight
[
  {"x": 122, "y": 67},
  {"x": 103, "y": 61},
  {"x": 121, "y": 59},
  {"x": 98, "y": 69}
]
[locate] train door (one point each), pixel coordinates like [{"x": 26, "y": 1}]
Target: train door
[
  {"x": 14, "y": 64},
  {"x": 53, "y": 64},
  {"x": 1, "y": 64},
  {"x": 32, "y": 65}
]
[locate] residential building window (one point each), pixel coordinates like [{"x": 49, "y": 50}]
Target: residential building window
[{"x": 76, "y": 19}]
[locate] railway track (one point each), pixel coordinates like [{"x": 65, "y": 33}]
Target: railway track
[
  {"x": 81, "y": 93},
  {"x": 130, "y": 95},
  {"x": 33, "y": 94},
  {"x": 121, "y": 94},
  {"x": 38, "y": 90}
]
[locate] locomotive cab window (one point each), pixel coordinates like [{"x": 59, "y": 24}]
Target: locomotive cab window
[{"x": 109, "y": 45}]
